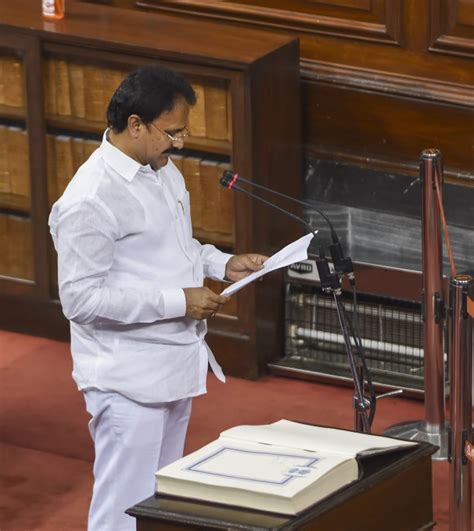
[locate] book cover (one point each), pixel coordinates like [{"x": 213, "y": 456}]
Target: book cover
[
  {"x": 4, "y": 173},
  {"x": 63, "y": 91},
  {"x": 76, "y": 90},
  {"x": 215, "y": 107},
  {"x": 13, "y": 82},
  {"x": 50, "y": 87},
  {"x": 283, "y": 467},
  {"x": 64, "y": 162},
  {"x": 95, "y": 105},
  {"x": 78, "y": 157},
  {"x": 19, "y": 166}
]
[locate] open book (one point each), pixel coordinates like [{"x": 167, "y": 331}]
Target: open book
[{"x": 282, "y": 467}]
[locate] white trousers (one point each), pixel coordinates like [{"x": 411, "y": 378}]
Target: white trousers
[{"x": 132, "y": 441}]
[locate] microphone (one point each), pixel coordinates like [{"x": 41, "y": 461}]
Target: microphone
[
  {"x": 227, "y": 180},
  {"x": 341, "y": 263}
]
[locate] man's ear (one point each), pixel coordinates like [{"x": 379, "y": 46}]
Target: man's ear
[{"x": 134, "y": 125}]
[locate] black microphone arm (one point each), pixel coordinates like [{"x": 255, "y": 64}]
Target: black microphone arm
[
  {"x": 341, "y": 263},
  {"x": 231, "y": 178},
  {"x": 225, "y": 182}
]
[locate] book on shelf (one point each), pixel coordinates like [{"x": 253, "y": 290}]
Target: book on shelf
[
  {"x": 215, "y": 109},
  {"x": 76, "y": 87},
  {"x": 78, "y": 157},
  {"x": 50, "y": 87},
  {"x": 12, "y": 82},
  {"x": 63, "y": 90},
  {"x": 18, "y": 165},
  {"x": 197, "y": 114},
  {"x": 64, "y": 163},
  {"x": 5, "y": 187},
  {"x": 114, "y": 78},
  {"x": 94, "y": 96},
  {"x": 284, "y": 467}
]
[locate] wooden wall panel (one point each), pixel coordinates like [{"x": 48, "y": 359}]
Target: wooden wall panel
[
  {"x": 386, "y": 131},
  {"x": 397, "y": 73},
  {"x": 452, "y": 27},
  {"x": 375, "y": 20}
]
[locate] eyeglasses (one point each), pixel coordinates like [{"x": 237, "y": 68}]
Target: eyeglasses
[{"x": 178, "y": 137}]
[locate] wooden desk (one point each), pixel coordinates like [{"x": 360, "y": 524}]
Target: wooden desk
[{"x": 394, "y": 494}]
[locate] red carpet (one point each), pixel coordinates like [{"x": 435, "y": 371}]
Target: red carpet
[{"x": 46, "y": 451}]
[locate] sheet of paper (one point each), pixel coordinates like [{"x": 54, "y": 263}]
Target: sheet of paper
[{"x": 293, "y": 252}]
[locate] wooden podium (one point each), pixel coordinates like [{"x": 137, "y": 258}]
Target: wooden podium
[{"x": 393, "y": 494}]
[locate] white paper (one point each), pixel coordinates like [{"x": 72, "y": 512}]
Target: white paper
[{"x": 293, "y": 252}]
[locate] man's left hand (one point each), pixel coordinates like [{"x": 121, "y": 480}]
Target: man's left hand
[{"x": 242, "y": 265}]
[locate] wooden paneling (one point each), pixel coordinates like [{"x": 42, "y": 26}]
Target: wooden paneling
[
  {"x": 381, "y": 80},
  {"x": 358, "y": 126},
  {"x": 374, "y": 20},
  {"x": 452, "y": 27}
]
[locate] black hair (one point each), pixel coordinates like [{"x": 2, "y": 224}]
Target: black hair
[{"x": 147, "y": 92}]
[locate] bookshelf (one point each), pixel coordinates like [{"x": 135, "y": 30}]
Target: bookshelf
[{"x": 59, "y": 78}]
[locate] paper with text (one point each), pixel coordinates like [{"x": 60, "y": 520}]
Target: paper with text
[{"x": 293, "y": 252}]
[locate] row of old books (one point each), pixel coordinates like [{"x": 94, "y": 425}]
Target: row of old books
[
  {"x": 79, "y": 90},
  {"x": 16, "y": 256},
  {"x": 11, "y": 81},
  {"x": 84, "y": 91},
  {"x": 212, "y": 206},
  {"x": 14, "y": 168}
]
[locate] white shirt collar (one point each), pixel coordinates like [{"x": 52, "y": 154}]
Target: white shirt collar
[{"x": 124, "y": 165}]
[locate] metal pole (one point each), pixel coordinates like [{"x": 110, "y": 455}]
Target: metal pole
[
  {"x": 432, "y": 293},
  {"x": 433, "y": 428},
  {"x": 461, "y": 287}
]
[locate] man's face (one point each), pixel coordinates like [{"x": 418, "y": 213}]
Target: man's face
[{"x": 155, "y": 139}]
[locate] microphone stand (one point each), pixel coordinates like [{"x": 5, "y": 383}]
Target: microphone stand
[
  {"x": 330, "y": 283},
  {"x": 364, "y": 409}
]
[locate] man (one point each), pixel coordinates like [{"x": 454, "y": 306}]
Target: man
[{"x": 131, "y": 283}]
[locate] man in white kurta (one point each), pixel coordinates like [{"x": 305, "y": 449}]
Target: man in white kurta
[{"x": 131, "y": 284}]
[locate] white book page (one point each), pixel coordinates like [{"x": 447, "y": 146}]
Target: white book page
[
  {"x": 314, "y": 438},
  {"x": 293, "y": 252},
  {"x": 254, "y": 467}
]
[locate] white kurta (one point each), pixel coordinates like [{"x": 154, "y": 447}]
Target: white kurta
[{"x": 124, "y": 240}]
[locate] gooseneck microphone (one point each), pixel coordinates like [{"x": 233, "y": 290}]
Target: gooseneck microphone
[
  {"x": 227, "y": 180},
  {"x": 330, "y": 283},
  {"x": 341, "y": 263}
]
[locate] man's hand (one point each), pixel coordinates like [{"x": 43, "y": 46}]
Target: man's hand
[
  {"x": 202, "y": 303},
  {"x": 242, "y": 265}
]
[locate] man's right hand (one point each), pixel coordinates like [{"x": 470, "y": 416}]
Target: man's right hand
[{"x": 202, "y": 303}]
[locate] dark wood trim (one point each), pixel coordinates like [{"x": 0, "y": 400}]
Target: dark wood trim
[
  {"x": 450, "y": 33},
  {"x": 38, "y": 173},
  {"x": 387, "y": 165},
  {"x": 388, "y": 83},
  {"x": 309, "y": 23}
]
